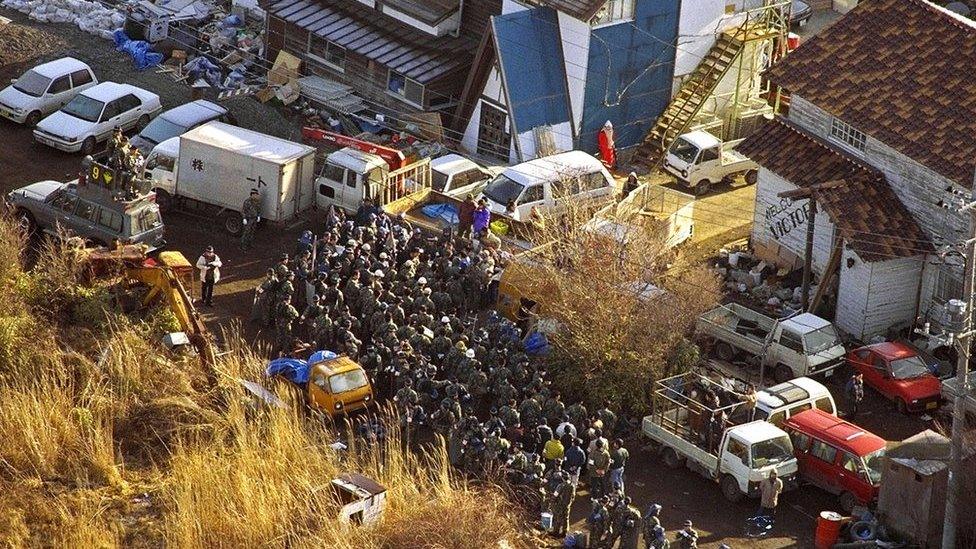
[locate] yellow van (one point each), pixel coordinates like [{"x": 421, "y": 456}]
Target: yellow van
[{"x": 338, "y": 386}]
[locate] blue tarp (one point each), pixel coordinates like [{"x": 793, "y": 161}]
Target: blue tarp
[
  {"x": 142, "y": 55},
  {"x": 294, "y": 370},
  {"x": 446, "y": 212},
  {"x": 319, "y": 356},
  {"x": 536, "y": 344}
]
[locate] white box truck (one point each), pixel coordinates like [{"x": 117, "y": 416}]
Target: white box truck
[{"x": 210, "y": 170}]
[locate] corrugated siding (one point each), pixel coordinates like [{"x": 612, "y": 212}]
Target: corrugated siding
[
  {"x": 875, "y": 296},
  {"x": 780, "y": 224}
]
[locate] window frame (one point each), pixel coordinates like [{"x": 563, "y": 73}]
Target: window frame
[
  {"x": 62, "y": 78},
  {"x": 112, "y": 216},
  {"x": 815, "y": 451},
  {"x": 329, "y": 47},
  {"x": 618, "y": 11},
  {"x": 88, "y": 74},
  {"x": 847, "y": 135},
  {"x": 402, "y": 96}
]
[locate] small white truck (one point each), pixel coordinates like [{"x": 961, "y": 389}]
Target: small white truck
[
  {"x": 662, "y": 214},
  {"x": 210, "y": 170},
  {"x": 700, "y": 160},
  {"x": 737, "y": 457},
  {"x": 798, "y": 345}
]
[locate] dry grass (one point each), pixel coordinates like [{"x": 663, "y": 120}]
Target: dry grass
[{"x": 107, "y": 440}]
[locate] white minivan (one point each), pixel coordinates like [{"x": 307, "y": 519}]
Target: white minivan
[
  {"x": 45, "y": 89},
  {"x": 548, "y": 184},
  {"x": 92, "y": 115}
]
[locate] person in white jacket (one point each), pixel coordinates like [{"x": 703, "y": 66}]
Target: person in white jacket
[{"x": 209, "y": 265}]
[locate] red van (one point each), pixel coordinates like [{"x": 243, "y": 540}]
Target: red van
[{"x": 837, "y": 456}]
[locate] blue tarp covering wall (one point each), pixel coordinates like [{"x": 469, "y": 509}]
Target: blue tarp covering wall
[
  {"x": 629, "y": 73},
  {"x": 531, "y": 58}
]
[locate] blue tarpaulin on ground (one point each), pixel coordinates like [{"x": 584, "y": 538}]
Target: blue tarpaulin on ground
[
  {"x": 536, "y": 344},
  {"x": 142, "y": 55},
  {"x": 294, "y": 370},
  {"x": 447, "y": 212}
]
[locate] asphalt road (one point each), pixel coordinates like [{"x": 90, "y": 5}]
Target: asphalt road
[{"x": 683, "y": 494}]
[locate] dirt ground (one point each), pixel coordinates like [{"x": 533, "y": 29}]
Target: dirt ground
[{"x": 722, "y": 217}]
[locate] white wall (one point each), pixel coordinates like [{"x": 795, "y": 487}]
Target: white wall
[
  {"x": 780, "y": 225},
  {"x": 511, "y": 6},
  {"x": 875, "y": 296},
  {"x": 493, "y": 90},
  {"x": 575, "y": 36},
  {"x": 699, "y": 23},
  {"x": 526, "y": 141}
]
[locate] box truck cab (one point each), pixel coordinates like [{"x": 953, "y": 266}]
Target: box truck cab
[
  {"x": 548, "y": 184},
  {"x": 699, "y": 160},
  {"x": 837, "y": 456}
]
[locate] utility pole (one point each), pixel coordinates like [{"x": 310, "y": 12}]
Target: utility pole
[{"x": 961, "y": 320}]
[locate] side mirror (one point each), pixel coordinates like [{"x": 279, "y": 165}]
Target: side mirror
[{"x": 13, "y": 81}]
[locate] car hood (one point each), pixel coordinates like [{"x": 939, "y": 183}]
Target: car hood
[
  {"x": 11, "y": 97},
  {"x": 40, "y": 190},
  {"x": 144, "y": 145},
  {"x": 919, "y": 387},
  {"x": 64, "y": 125}
]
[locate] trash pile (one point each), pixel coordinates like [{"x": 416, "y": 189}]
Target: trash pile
[
  {"x": 778, "y": 291},
  {"x": 91, "y": 17}
]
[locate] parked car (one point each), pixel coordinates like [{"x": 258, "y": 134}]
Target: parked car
[
  {"x": 897, "y": 372},
  {"x": 48, "y": 205},
  {"x": 699, "y": 160},
  {"x": 837, "y": 456},
  {"x": 92, "y": 115},
  {"x": 800, "y": 13},
  {"x": 457, "y": 176},
  {"x": 782, "y": 401},
  {"x": 176, "y": 122},
  {"x": 45, "y": 89}
]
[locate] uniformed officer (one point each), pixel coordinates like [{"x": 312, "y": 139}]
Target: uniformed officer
[{"x": 251, "y": 213}]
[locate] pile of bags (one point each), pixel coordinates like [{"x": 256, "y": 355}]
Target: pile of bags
[{"x": 91, "y": 17}]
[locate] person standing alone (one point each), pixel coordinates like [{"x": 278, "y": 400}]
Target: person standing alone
[
  {"x": 251, "y": 214},
  {"x": 769, "y": 489},
  {"x": 855, "y": 391},
  {"x": 209, "y": 265}
]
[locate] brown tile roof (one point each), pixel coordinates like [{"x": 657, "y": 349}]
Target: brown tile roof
[
  {"x": 868, "y": 214},
  {"x": 900, "y": 71},
  {"x": 583, "y": 10}
]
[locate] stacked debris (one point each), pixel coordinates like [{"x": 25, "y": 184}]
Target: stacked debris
[
  {"x": 750, "y": 280},
  {"x": 91, "y": 17}
]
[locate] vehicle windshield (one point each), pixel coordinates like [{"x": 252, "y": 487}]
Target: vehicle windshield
[
  {"x": 774, "y": 450},
  {"x": 144, "y": 219},
  {"x": 684, "y": 150},
  {"x": 821, "y": 340},
  {"x": 32, "y": 83},
  {"x": 908, "y": 368},
  {"x": 503, "y": 190},
  {"x": 872, "y": 463},
  {"x": 160, "y": 130},
  {"x": 348, "y": 381},
  {"x": 84, "y": 107},
  {"x": 438, "y": 180}
]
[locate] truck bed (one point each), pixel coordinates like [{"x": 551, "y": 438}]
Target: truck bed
[
  {"x": 656, "y": 428},
  {"x": 737, "y": 325}
]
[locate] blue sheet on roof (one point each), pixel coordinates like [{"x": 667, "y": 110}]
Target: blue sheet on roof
[
  {"x": 446, "y": 212},
  {"x": 294, "y": 370},
  {"x": 531, "y": 55},
  {"x": 319, "y": 356}
]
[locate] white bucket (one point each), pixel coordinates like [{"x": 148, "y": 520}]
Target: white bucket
[{"x": 547, "y": 521}]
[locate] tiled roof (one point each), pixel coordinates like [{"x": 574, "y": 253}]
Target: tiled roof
[
  {"x": 583, "y": 10},
  {"x": 900, "y": 71},
  {"x": 868, "y": 214}
]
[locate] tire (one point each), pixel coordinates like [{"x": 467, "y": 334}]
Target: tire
[
  {"x": 233, "y": 223},
  {"x": 164, "y": 200},
  {"x": 724, "y": 351},
  {"x": 847, "y": 502},
  {"x": 703, "y": 187},
  {"x": 751, "y": 177},
  {"x": 32, "y": 119},
  {"x": 730, "y": 488},
  {"x": 902, "y": 406},
  {"x": 782, "y": 373},
  {"x": 88, "y": 145},
  {"x": 27, "y": 223},
  {"x": 142, "y": 122},
  {"x": 671, "y": 458}
]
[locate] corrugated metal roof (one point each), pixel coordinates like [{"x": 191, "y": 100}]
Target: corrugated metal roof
[{"x": 379, "y": 37}]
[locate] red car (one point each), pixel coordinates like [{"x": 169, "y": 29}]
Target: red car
[{"x": 896, "y": 371}]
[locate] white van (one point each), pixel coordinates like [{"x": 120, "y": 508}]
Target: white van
[
  {"x": 780, "y": 402},
  {"x": 547, "y": 184}
]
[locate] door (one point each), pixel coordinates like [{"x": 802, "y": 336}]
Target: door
[
  {"x": 58, "y": 94},
  {"x": 533, "y": 196},
  {"x": 87, "y": 216},
  {"x": 130, "y": 109},
  {"x": 735, "y": 461},
  {"x": 111, "y": 117},
  {"x": 850, "y": 477},
  {"x": 822, "y": 470},
  {"x": 710, "y": 164},
  {"x": 494, "y": 138},
  {"x": 329, "y": 186},
  {"x": 876, "y": 373}
]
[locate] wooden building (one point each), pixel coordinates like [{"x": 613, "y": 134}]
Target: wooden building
[
  {"x": 884, "y": 103},
  {"x": 402, "y": 56}
]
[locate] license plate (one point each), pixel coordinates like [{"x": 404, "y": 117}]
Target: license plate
[
  {"x": 6, "y": 114},
  {"x": 931, "y": 405}
]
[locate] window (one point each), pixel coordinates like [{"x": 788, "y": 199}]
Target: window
[
  {"x": 825, "y": 404},
  {"x": 849, "y": 462},
  {"x": 791, "y": 341},
  {"x": 801, "y": 408},
  {"x": 326, "y": 52},
  {"x": 739, "y": 450},
  {"x": 778, "y": 419},
  {"x": 145, "y": 219},
  {"x": 709, "y": 154},
  {"x": 594, "y": 181},
  {"x": 800, "y": 441},
  {"x": 161, "y": 161},
  {"x": 532, "y": 194},
  {"x": 67, "y": 203},
  {"x": 613, "y": 11},
  {"x": 87, "y": 210},
  {"x": 80, "y": 78},
  {"x": 823, "y": 451},
  {"x": 863, "y": 354},
  {"x": 351, "y": 179},
  {"x": 326, "y": 191},
  {"x": 409, "y": 90},
  {"x": 348, "y": 381},
  {"x": 111, "y": 110},
  {"x": 845, "y": 133},
  {"x": 110, "y": 219},
  {"x": 947, "y": 285},
  {"x": 128, "y": 102},
  {"x": 333, "y": 173},
  {"x": 60, "y": 85}
]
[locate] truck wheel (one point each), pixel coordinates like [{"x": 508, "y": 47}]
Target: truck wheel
[
  {"x": 703, "y": 187},
  {"x": 164, "y": 201},
  {"x": 724, "y": 351},
  {"x": 26, "y": 221},
  {"x": 782, "y": 373},
  {"x": 730, "y": 488},
  {"x": 32, "y": 119},
  {"x": 751, "y": 177},
  {"x": 88, "y": 145},
  {"x": 671, "y": 458},
  {"x": 233, "y": 223},
  {"x": 847, "y": 502},
  {"x": 142, "y": 122}
]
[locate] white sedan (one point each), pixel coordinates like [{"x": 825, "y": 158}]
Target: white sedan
[
  {"x": 92, "y": 115},
  {"x": 45, "y": 89}
]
